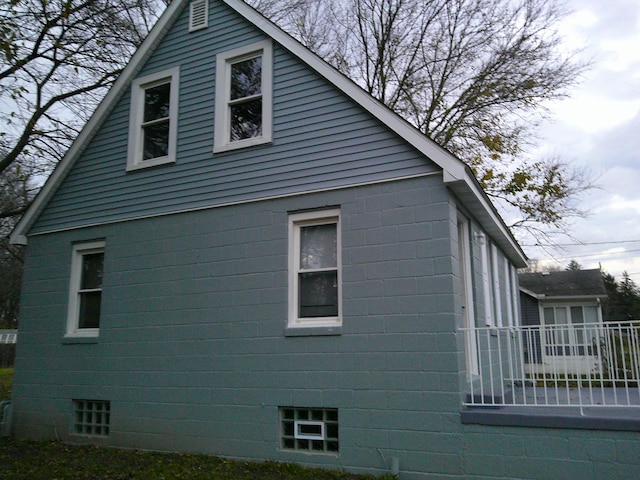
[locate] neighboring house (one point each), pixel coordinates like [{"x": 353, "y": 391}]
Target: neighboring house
[
  {"x": 245, "y": 254},
  {"x": 8, "y": 340},
  {"x": 568, "y": 306}
]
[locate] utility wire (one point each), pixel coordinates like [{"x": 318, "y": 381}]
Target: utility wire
[{"x": 578, "y": 244}]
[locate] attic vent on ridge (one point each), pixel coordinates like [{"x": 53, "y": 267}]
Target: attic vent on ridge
[{"x": 198, "y": 15}]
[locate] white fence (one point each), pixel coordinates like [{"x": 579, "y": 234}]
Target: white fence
[{"x": 586, "y": 364}]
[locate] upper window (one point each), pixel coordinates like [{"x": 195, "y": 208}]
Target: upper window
[
  {"x": 154, "y": 120},
  {"x": 243, "y": 97},
  {"x": 314, "y": 269},
  {"x": 85, "y": 290}
]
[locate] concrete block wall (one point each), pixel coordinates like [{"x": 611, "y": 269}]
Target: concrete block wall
[
  {"x": 193, "y": 356},
  {"x": 192, "y": 352}
]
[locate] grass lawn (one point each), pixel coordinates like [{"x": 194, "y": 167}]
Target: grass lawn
[
  {"x": 6, "y": 380},
  {"x": 55, "y": 460}
]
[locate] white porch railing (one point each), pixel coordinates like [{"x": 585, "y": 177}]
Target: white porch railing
[{"x": 574, "y": 365}]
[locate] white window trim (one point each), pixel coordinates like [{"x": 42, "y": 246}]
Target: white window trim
[
  {"x": 300, "y": 424},
  {"x": 224, "y": 60},
  {"x": 509, "y": 292},
  {"x": 468, "y": 314},
  {"x": 296, "y": 221},
  {"x": 497, "y": 297},
  {"x": 79, "y": 251},
  {"x": 486, "y": 280},
  {"x": 136, "y": 115},
  {"x": 516, "y": 296}
]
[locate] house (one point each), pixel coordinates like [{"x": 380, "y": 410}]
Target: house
[
  {"x": 8, "y": 340},
  {"x": 244, "y": 254},
  {"x": 563, "y": 303}
]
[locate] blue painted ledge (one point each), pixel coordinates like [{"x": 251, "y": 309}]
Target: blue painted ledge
[{"x": 591, "y": 418}]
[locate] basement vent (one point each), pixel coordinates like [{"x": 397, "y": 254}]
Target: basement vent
[
  {"x": 91, "y": 417},
  {"x": 198, "y": 15},
  {"x": 309, "y": 429}
]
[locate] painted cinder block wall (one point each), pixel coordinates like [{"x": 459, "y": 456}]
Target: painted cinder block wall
[
  {"x": 192, "y": 352},
  {"x": 193, "y": 355}
]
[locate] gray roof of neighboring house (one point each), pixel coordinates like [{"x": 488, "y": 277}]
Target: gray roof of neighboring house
[{"x": 568, "y": 283}]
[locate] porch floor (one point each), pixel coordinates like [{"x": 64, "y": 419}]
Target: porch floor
[{"x": 560, "y": 408}]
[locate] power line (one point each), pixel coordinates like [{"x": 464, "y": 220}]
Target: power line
[{"x": 579, "y": 244}]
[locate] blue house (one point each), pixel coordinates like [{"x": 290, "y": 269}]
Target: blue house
[{"x": 244, "y": 254}]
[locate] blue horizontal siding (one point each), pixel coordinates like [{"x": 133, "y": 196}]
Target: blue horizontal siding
[{"x": 321, "y": 140}]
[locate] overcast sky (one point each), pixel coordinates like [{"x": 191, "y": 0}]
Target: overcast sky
[{"x": 599, "y": 127}]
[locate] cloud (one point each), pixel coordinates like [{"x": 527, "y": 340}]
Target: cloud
[{"x": 598, "y": 129}]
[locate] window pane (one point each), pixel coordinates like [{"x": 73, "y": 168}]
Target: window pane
[
  {"x": 156, "y": 102},
  {"x": 92, "y": 270},
  {"x": 591, "y": 314},
  {"x": 576, "y": 315},
  {"x": 246, "y": 78},
  {"x": 561, "y": 316},
  {"x": 156, "y": 140},
  {"x": 318, "y": 246},
  {"x": 246, "y": 120},
  {"x": 89, "y": 315},
  {"x": 318, "y": 294}
]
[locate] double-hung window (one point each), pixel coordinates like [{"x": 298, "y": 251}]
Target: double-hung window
[
  {"x": 315, "y": 269},
  {"x": 85, "y": 289},
  {"x": 153, "y": 120},
  {"x": 243, "y": 97}
]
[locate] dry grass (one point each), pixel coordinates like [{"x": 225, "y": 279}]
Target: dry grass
[{"x": 55, "y": 460}]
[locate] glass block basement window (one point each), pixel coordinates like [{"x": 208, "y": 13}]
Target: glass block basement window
[
  {"x": 309, "y": 429},
  {"x": 91, "y": 417}
]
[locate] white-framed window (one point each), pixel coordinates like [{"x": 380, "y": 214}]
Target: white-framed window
[
  {"x": 85, "y": 289},
  {"x": 153, "y": 122},
  {"x": 315, "y": 269},
  {"x": 243, "y": 97}
]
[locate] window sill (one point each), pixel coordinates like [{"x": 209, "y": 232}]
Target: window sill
[
  {"x": 312, "y": 331},
  {"x": 250, "y": 142},
  {"x": 69, "y": 340},
  {"x": 153, "y": 162},
  {"x": 591, "y": 418}
]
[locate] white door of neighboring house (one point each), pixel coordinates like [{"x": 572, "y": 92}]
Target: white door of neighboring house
[{"x": 568, "y": 335}]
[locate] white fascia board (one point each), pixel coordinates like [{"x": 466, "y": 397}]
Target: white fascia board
[
  {"x": 532, "y": 294},
  {"x": 575, "y": 298},
  {"x": 19, "y": 234},
  {"x": 563, "y": 298},
  {"x": 486, "y": 214}
]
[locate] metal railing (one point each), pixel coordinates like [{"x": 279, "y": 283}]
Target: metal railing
[{"x": 574, "y": 365}]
